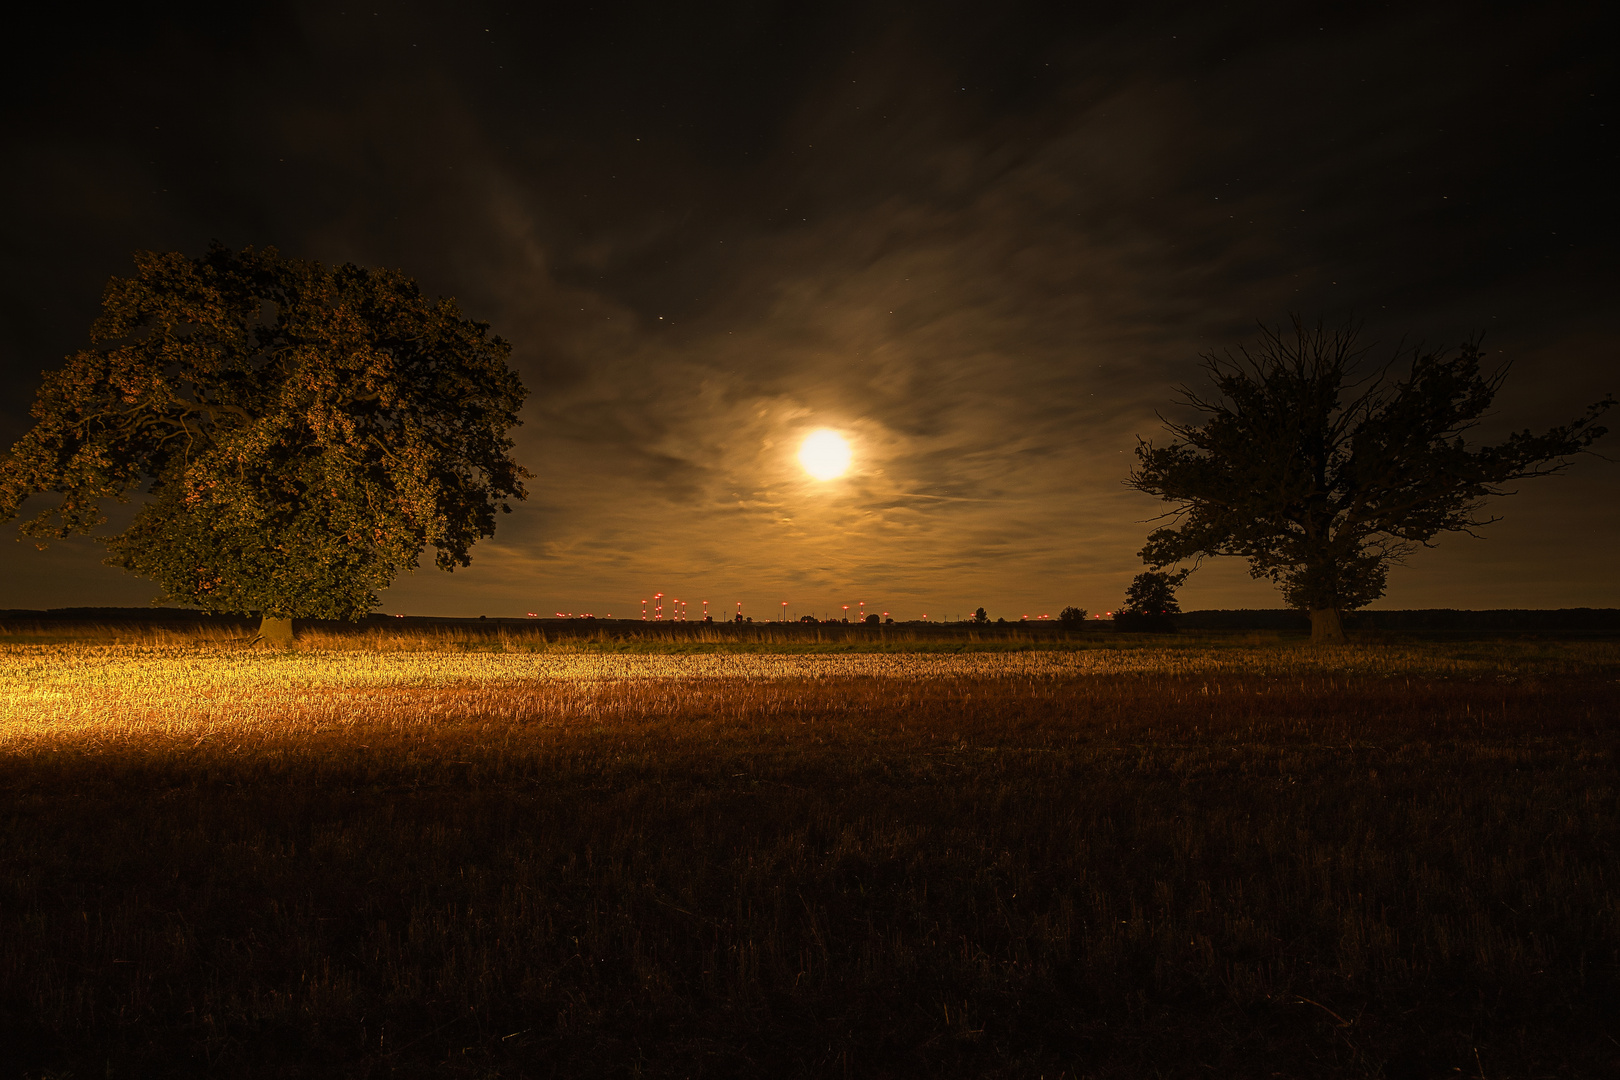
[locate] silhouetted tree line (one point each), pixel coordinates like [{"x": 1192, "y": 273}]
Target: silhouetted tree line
[
  {"x": 1497, "y": 620},
  {"x": 1441, "y": 620}
]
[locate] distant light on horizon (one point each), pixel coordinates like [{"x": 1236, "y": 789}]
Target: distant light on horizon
[{"x": 825, "y": 454}]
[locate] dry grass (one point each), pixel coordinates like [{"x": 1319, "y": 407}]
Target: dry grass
[{"x": 442, "y": 859}]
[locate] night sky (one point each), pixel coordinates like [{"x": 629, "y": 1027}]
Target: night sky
[{"x": 985, "y": 241}]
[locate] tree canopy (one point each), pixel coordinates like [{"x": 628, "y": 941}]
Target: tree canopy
[
  {"x": 1150, "y": 601},
  {"x": 1153, "y": 592},
  {"x": 302, "y": 433},
  {"x": 1072, "y": 616},
  {"x": 1321, "y": 473}
]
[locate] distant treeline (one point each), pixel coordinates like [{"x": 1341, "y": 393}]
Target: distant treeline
[
  {"x": 1496, "y": 620},
  {"x": 1419, "y": 621},
  {"x": 121, "y": 614}
]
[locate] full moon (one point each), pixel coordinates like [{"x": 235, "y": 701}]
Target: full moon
[{"x": 824, "y": 454}]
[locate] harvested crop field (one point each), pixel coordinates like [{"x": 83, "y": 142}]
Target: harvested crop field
[{"x": 1173, "y": 859}]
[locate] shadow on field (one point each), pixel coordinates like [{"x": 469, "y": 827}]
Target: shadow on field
[{"x": 1232, "y": 875}]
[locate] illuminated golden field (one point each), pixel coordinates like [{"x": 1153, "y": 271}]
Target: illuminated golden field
[
  {"x": 184, "y": 687},
  {"x": 425, "y": 857}
]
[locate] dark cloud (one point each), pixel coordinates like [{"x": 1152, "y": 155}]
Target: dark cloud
[{"x": 986, "y": 241}]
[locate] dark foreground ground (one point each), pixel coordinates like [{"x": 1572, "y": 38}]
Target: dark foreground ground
[{"x": 1233, "y": 876}]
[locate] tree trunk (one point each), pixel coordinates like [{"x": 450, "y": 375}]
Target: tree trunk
[
  {"x": 1326, "y": 628},
  {"x": 275, "y": 631}
]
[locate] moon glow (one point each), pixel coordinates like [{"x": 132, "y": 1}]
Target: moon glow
[{"x": 824, "y": 454}]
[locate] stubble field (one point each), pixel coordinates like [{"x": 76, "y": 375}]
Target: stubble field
[{"x": 415, "y": 856}]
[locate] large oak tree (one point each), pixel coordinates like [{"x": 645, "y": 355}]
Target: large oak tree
[
  {"x": 1321, "y": 473},
  {"x": 301, "y": 432}
]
